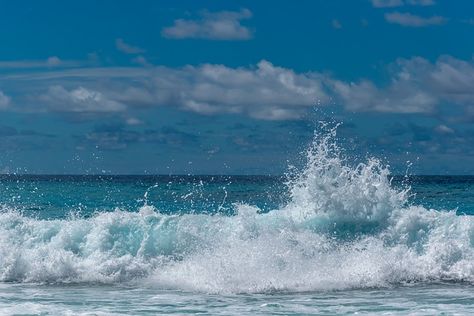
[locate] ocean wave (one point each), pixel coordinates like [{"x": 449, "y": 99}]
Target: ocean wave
[{"x": 345, "y": 227}]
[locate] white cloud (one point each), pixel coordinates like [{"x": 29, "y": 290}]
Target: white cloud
[
  {"x": 416, "y": 86},
  {"x": 399, "y": 97},
  {"x": 224, "y": 25},
  {"x": 399, "y": 3},
  {"x": 408, "y": 19},
  {"x": 127, "y": 48},
  {"x": 4, "y": 101},
  {"x": 267, "y": 91},
  {"x": 263, "y": 91},
  {"x": 79, "y": 100},
  {"x": 449, "y": 78}
]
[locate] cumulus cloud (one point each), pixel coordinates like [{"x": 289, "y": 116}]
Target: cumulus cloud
[
  {"x": 4, "y": 100},
  {"x": 127, "y": 48},
  {"x": 224, "y": 25},
  {"x": 399, "y": 97},
  {"x": 264, "y": 91},
  {"x": 79, "y": 100},
  {"x": 411, "y": 20},
  {"x": 416, "y": 86},
  {"x": 399, "y": 3},
  {"x": 448, "y": 78}
]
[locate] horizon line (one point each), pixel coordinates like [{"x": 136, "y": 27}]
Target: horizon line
[{"x": 197, "y": 175}]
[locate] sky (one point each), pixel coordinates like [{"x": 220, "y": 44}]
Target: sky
[{"x": 233, "y": 87}]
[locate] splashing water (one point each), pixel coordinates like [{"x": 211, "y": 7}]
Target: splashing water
[
  {"x": 327, "y": 186},
  {"x": 344, "y": 227}
]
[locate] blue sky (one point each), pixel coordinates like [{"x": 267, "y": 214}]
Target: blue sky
[{"x": 233, "y": 87}]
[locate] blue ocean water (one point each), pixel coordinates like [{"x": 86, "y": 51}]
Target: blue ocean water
[{"x": 333, "y": 237}]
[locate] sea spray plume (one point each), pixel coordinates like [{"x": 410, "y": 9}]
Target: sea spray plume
[
  {"x": 328, "y": 186},
  {"x": 290, "y": 249}
]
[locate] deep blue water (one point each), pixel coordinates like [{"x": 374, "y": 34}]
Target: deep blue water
[{"x": 56, "y": 196}]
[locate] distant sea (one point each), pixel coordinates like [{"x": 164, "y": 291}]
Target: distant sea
[{"x": 332, "y": 238}]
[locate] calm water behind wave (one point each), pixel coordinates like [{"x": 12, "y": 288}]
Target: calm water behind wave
[{"x": 57, "y": 196}]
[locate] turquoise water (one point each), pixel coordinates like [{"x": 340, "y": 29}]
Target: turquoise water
[
  {"x": 50, "y": 197},
  {"x": 333, "y": 237},
  {"x": 440, "y": 299}
]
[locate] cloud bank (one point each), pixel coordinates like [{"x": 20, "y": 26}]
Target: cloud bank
[{"x": 264, "y": 91}]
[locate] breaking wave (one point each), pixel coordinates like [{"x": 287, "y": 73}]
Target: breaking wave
[{"x": 344, "y": 227}]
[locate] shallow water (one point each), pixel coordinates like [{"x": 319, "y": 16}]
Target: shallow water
[{"x": 30, "y": 299}]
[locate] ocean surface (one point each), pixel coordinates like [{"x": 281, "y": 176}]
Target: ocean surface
[{"x": 333, "y": 237}]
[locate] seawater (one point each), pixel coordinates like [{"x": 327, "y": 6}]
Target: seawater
[{"x": 332, "y": 237}]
